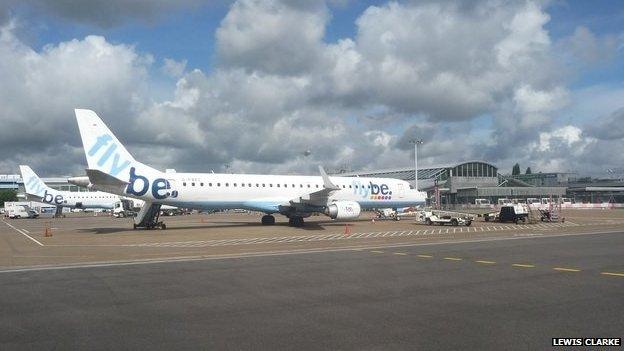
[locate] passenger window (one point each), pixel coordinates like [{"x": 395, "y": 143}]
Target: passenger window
[
  {"x": 278, "y": 185},
  {"x": 227, "y": 184},
  {"x": 349, "y": 186},
  {"x": 301, "y": 185},
  {"x": 209, "y": 184},
  {"x": 308, "y": 185},
  {"x": 184, "y": 184},
  {"x": 201, "y": 184},
  {"x": 193, "y": 184},
  {"x": 343, "y": 186},
  {"x": 270, "y": 185},
  {"x": 263, "y": 185},
  {"x": 249, "y": 185},
  {"x": 218, "y": 184},
  {"x": 293, "y": 185},
  {"x": 234, "y": 184},
  {"x": 317, "y": 185},
  {"x": 243, "y": 184}
]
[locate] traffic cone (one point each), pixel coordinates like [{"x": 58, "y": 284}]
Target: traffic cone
[{"x": 347, "y": 229}]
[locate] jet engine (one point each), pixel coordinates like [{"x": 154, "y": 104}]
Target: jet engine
[{"x": 343, "y": 210}]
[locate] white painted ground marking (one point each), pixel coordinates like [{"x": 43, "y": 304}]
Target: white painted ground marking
[
  {"x": 23, "y": 233},
  {"x": 270, "y": 253},
  {"x": 313, "y": 238}
]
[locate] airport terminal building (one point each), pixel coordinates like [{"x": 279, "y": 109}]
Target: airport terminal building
[{"x": 464, "y": 183}]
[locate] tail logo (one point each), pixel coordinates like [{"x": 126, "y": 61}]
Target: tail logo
[
  {"x": 37, "y": 185},
  {"x": 116, "y": 165},
  {"x": 139, "y": 185}
]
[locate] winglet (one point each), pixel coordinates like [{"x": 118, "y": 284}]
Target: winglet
[{"x": 326, "y": 181}]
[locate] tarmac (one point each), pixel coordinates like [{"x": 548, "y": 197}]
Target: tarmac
[
  {"x": 88, "y": 238},
  {"x": 223, "y": 281}
]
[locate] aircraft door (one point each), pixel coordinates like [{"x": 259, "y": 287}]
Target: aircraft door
[{"x": 400, "y": 191}]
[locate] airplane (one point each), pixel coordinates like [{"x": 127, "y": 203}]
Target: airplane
[
  {"x": 112, "y": 168},
  {"x": 37, "y": 190}
]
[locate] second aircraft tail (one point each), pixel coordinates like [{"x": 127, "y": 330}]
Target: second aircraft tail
[{"x": 32, "y": 183}]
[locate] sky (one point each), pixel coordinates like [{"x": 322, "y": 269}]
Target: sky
[{"x": 250, "y": 86}]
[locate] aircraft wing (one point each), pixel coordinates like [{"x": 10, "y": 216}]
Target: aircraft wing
[
  {"x": 320, "y": 197},
  {"x": 105, "y": 182}
]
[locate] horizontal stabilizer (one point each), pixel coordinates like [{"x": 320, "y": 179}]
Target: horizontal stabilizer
[{"x": 105, "y": 182}]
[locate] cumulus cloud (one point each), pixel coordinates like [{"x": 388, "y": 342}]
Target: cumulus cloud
[
  {"x": 40, "y": 90},
  {"x": 610, "y": 127},
  {"x": 173, "y": 68},
  {"x": 272, "y": 36},
  {"x": 400, "y": 59},
  {"x": 413, "y": 70},
  {"x": 567, "y": 136}
]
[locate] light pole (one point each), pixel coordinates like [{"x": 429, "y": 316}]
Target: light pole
[{"x": 416, "y": 142}]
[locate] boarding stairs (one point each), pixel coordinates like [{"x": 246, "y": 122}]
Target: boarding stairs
[{"x": 148, "y": 217}]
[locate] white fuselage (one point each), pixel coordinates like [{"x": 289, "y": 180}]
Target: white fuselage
[
  {"x": 71, "y": 199},
  {"x": 267, "y": 192}
]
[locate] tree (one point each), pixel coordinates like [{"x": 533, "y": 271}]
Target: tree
[
  {"x": 528, "y": 171},
  {"x": 7, "y": 195},
  {"x": 516, "y": 169}
]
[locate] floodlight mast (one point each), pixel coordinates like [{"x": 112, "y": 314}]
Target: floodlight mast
[{"x": 416, "y": 142}]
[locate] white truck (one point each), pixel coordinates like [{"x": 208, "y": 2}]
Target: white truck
[
  {"x": 442, "y": 218},
  {"x": 20, "y": 211},
  {"x": 123, "y": 208}
]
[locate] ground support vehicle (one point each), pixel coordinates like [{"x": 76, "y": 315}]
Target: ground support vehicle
[
  {"x": 445, "y": 217},
  {"x": 513, "y": 213}
]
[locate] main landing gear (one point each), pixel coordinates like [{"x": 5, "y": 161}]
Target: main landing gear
[
  {"x": 295, "y": 221},
  {"x": 268, "y": 220}
]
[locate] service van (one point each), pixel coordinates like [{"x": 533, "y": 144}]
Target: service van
[{"x": 20, "y": 211}]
